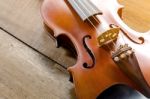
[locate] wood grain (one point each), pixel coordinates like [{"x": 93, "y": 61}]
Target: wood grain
[
  {"x": 136, "y": 14},
  {"x": 22, "y": 18},
  {"x": 25, "y": 74}
]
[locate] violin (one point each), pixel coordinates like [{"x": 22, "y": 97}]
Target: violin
[{"x": 108, "y": 51}]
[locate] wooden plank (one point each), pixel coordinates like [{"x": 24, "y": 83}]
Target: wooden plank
[
  {"x": 25, "y": 74},
  {"x": 136, "y": 14},
  {"x": 22, "y": 18}
]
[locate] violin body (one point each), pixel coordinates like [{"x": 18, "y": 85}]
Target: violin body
[{"x": 63, "y": 20}]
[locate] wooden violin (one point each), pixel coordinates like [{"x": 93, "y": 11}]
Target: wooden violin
[{"x": 108, "y": 51}]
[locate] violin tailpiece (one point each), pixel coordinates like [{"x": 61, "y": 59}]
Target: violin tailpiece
[
  {"x": 108, "y": 36},
  {"x": 126, "y": 60},
  {"x": 89, "y": 31}
]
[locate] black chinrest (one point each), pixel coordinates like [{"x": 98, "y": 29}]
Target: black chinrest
[{"x": 121, "y": 91}]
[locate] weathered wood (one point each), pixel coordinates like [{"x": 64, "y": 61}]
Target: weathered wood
[
  {"x": 25, "y": 74},
  {"x": 137, "y": 14},
  {"x": 22, "y": 18}
]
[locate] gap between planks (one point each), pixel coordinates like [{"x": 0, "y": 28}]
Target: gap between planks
[{"x": 26, "y": 74}]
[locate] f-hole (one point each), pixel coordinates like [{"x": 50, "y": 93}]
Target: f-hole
[{"x": 86, "y": 65}]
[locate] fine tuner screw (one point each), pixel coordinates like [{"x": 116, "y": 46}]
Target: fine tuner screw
[{"x": 123, "y": 55}]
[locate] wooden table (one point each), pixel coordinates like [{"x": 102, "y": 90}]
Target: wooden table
[{"x": 26, "y": 72}]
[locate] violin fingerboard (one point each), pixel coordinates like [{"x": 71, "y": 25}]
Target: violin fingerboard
[{"x": 84, "y": 8}]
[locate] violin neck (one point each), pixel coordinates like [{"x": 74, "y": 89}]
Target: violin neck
[{"x": 84, "y": 8}]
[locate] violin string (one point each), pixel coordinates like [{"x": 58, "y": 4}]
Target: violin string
[
  {"x": 121, "y": 35},
  {"x": 87, "y": 18},
  {"x": 92, "y": 22},
  {"x": 123, "y": 38},
  {"x": 99, "y": 23},
  {"x": 112, "y": 32},
  {"x": 87, "y": 10}
]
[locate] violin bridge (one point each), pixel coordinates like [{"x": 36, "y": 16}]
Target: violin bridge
[{"x": 108, "y": 36}]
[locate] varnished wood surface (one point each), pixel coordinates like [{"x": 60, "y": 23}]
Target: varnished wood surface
[
  {"x": 89, "y": 82},
  {"x": 25, "y": 74},
  {"x": 136, "y": 14},
  {"x": 22, "y": 18}
]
